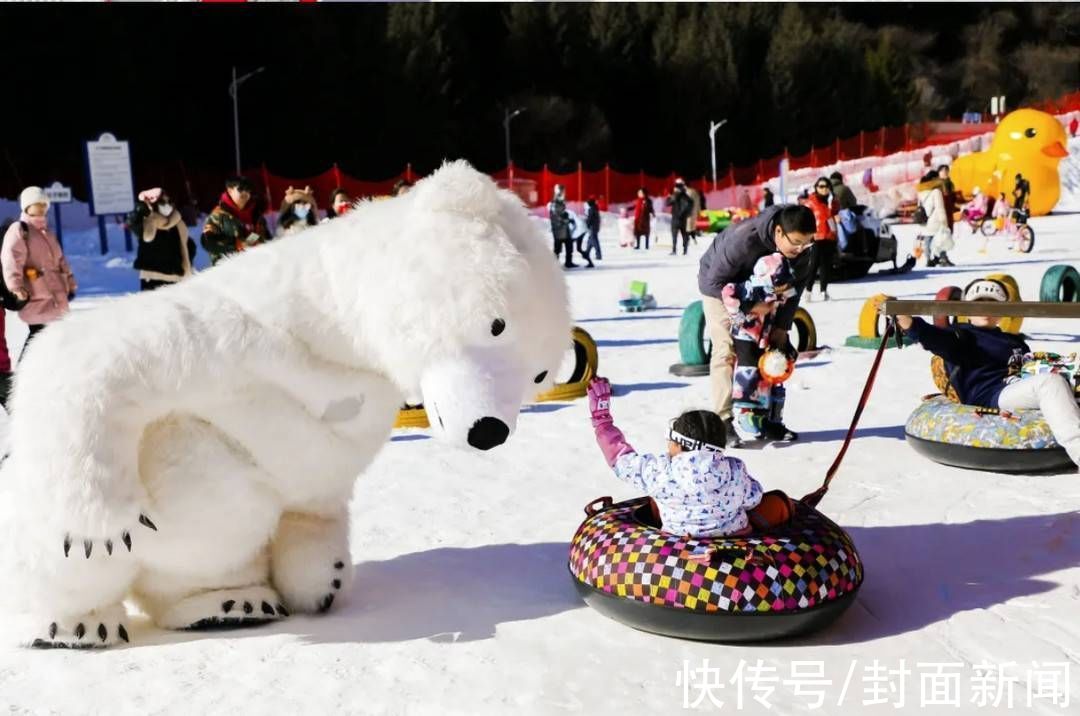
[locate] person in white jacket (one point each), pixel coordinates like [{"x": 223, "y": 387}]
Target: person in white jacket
[{"x": 932, "y": 200}]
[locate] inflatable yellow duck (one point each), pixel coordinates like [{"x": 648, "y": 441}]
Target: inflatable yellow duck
[{"x": 1027, "y": 142}]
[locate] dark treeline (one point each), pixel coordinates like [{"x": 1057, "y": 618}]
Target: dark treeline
[{"x": 375, "y": 86}]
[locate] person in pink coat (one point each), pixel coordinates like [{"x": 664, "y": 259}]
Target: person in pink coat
[{"x": 35, "y": 269}]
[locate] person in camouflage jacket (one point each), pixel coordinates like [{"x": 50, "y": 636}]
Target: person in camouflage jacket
[{"x": 236, "y": 223}]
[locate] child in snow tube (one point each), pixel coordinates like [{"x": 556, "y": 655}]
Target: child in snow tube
[
  {"x": 983, "y": 365},
  {"x": 758, "y": 401},
  {"x": 711, "y": 557},
  {"x": 699, "y": 491}
]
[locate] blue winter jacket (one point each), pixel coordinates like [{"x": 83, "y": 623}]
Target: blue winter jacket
[{"x": 978, "y": 360}]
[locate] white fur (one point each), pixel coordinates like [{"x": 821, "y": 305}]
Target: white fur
[{"x": 261, "y": 389}]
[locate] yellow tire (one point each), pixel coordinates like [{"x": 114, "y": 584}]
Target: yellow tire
[
  {"x": 586, "y": 360},
  {"x": 804, "y": 322},
  {"x": 412, "y": 418},
  {"x": 869, "y": 320}
]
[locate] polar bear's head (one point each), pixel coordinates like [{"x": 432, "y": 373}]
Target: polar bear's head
[{"x": 458, "y": 300}]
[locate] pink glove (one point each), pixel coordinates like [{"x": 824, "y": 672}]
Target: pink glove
[
  {"x": 600, "y": 401},
  {"x": 610, "y": 439},
  {"x": 150, "y": 196}
]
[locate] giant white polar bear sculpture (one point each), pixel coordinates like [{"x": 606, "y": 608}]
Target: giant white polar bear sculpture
[{"x": 193, "y": 449}]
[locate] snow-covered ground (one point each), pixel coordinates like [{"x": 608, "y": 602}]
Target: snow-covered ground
[{"x": 463, "y": 603}]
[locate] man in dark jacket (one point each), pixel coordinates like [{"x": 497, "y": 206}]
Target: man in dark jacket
[
  {"x": 560, "y": 225},
  {"x": 788, "y": 229},
  {"x": 682, "y": 208},
  {"x": 843, "y": 194}
]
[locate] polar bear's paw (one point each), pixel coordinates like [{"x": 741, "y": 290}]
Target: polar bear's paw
[
  {"x": 310, "y": 563},
  {"x": 224, "y": 609},
  {"x": 94, "y": 630},
  {"x": 78, "y": 543}
]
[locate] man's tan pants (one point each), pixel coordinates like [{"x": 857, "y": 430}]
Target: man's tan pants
[{"x": 722, "y": 364}]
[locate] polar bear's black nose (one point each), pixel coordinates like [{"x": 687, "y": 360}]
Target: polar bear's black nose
[{"x": 488, "y": 432}]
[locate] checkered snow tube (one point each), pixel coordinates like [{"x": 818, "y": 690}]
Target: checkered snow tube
[
  {"x": 794, "y": 579},
  {"x": 965, "y": 436}
]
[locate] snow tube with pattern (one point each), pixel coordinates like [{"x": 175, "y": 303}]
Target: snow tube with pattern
[
  {"x": 789, "y": 580},
  {"x": 979, "y": 439}
]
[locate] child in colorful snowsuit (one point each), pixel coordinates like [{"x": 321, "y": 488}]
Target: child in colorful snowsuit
[
  {"x": 699, "y": 491},
  {"x": 984, "y": 367},
  {"x": 752, "y": 305}
]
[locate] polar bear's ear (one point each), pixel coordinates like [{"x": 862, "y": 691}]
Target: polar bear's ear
[{"x": 459, "y": 188}]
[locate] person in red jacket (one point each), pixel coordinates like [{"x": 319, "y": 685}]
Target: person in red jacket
[
  {"x": 825, "y": 208},
  {"x": 643, "y": 212}
]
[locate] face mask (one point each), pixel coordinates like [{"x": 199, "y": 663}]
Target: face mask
[
  {"x": 165, "y": 209},
  {"x": 301, "y": 210},
  {"x": 38, "y": 222}
]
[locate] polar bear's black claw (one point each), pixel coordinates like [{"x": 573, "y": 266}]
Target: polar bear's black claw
[
  {"x": 336, "y": 584},
  {"x": 339, "y": 565},
  {"x": 126, "y": 538},
  {"x": 282, "y": 610},
  {"x": 220, "y": 623},
  {"x": 227, "y": 605},
  {"x": 80, "y": 630},
  {"x": 267, "y": 609},
  {"x": 52, "y": 631},
  {"x": 88, "y": 545},
  {"x": 108, "y": 546},
  {"x": 122, "y": 633},
  {"x": 67, "y": 544},
  {"x": 326, "y": 602},
  {"x": 144, "y": 520},
  {"x": 102, "y": 632},
  {"x": 248, "y": 609}
]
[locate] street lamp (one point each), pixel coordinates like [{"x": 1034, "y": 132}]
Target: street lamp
[
  {"x": 236, "y": 82},
  {"x": 507, "y": 116},
  {"x": 713, "y": 126}
]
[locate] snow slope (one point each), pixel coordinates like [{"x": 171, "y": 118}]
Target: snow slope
[{"x": 463, "y": 603}]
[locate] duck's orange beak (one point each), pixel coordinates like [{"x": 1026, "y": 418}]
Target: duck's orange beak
[{"x": 1057, "y": 149}]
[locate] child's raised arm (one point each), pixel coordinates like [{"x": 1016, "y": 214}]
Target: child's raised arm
[
  {"x": 944, "y": 342},
  {"x": 610, "y": 439},
  {"x": 629, "y": 466}
]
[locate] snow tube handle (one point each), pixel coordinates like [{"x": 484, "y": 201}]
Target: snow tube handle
[{"x": 605, "y": 502}]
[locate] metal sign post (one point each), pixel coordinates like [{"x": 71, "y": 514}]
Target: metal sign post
[{"x": 58, "y": 194}]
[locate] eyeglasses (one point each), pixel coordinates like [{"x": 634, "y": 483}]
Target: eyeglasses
[
  {"x": 823, "y": 186},
  {"x": 798, "y": 245}
]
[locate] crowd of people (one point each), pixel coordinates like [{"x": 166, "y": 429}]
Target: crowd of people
[{"x": 39, "y": 284}]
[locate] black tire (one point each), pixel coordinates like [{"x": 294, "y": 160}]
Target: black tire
[
  {"x": 739, "y": 627},
  {"x": 992, "y": 459}
]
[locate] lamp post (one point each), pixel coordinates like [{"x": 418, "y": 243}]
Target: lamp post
[
  {"x": 713, "y": 126},
  {"x": 233, "y": 86},
  {"x": 507, "y": 116}
]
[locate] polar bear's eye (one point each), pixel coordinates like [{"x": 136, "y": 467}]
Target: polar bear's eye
[
  {"x": 540, "y": 377},
  {"x": 498, "y": 326}
]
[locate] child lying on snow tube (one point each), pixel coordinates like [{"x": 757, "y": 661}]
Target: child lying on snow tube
[
  {"x": 983, "y": 366},
  {"x": 699, "y": 492}
]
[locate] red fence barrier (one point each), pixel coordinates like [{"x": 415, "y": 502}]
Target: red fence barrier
[{"x": 536, "y": 187}]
